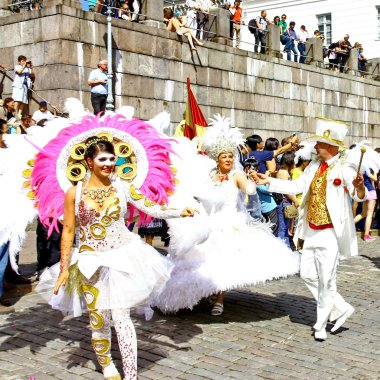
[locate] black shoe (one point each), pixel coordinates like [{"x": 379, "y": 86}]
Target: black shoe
[
  {"x": 6, "y": 303},
  {"x": 22, "y": 280}
]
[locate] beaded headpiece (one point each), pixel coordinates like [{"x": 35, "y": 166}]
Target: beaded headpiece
[{"x": 220, "y": 137}]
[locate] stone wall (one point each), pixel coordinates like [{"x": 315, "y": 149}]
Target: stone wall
[{"x": 263, "y": 95}]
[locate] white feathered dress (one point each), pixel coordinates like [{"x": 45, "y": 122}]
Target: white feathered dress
[{"x": 237, "y": 252}]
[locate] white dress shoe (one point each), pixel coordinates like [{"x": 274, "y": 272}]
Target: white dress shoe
[
  {"x": 339, "y": 322},
  {"x": 320, "y": 335}
]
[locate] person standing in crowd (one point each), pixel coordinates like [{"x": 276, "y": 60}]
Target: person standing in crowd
[
  {"x": 261, "y": 32},
  {"x": 283, "y": 24},
  {"x": 344, "y": 52},
  {"x": 99, "y": 87},
  {"x": 42, "y": 113},
  {"x": 362, "y": 63},
  {"x": 325, "y": 224},
  {"x": 236, "y": 21},
  {"x": 368, "y": 206},
  {"x": 303, "y": 36},
  {"x": 290, "y": 43},
  {"x": 8, "y": 113},
  {"x": 286, "y": 166},
  {"x": 255, "y": 145},
  {"x": 192, "y": 8},
  {"x": 22, "y": 83},
  {"x": 333, "y": 56},
  {"x": 203, "y": 19}
]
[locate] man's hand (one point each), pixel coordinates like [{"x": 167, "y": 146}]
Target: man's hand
[
  {"x": 189, "y": 212},
  {"x": 260, "y": 179},
  {"x": 358, "y": 182}
]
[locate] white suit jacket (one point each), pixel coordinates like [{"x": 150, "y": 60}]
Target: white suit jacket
[{"x": 337, "y": 200}]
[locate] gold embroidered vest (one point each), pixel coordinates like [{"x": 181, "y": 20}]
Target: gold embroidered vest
[{"x": 317, "y": 212}]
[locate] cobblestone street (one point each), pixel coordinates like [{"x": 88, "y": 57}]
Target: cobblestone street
[{"x": 265, "y": 333}]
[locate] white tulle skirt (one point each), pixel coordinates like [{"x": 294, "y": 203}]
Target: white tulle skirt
[
  {"x": 234, "y": 255},
  {"x": 126, "y": 277}
]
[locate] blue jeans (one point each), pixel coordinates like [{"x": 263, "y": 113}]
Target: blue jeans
[
  {"x": 302, "y": 49},
  {"x": 4, "y": 254},
  {"x": 292, "y": 47},
  {"x": 283, "y": 225}
]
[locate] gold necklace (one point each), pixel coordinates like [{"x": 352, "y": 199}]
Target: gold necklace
[{"x": 99, "y": 195}]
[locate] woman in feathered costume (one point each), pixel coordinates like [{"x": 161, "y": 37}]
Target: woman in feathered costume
[
  {"x": 237, "y": 251},
  {"x": 111, "y": 267}
]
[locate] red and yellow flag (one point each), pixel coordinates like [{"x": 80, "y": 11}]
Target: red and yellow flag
[{"x": 195, "y": 123}]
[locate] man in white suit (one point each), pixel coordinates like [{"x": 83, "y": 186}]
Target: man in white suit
[{"x": 326, "y": 223}]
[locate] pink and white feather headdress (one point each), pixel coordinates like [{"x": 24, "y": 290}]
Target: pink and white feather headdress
[{"x": 152, "y": 173}]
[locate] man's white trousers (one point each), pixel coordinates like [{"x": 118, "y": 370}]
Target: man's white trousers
[{"x": 319, "y": 263}]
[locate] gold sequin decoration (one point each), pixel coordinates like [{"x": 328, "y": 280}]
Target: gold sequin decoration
[
  {"x": 130, "y": 174},
  {"x": 115, "y": 214},
  {"x": 90, "y": 295},
  {"x": 26, "y": 184},
  {"x": 31, "y": 162},
  {"x": 75, "y": 172},
  {"x": 105, "y": 136},
  {"x": 148, "y": 202},
  {"x": 101, "y": 346},
  {"x": 96, "y": 321},
  {"x": 106, "y": 220},
  {"x": 27, "y": 173},
  {"x": 85, "y": 247},
  {"x": 77, "y": 151},
  {"x": 135, "y": 194},
  {"x": 317, "y": 212},
  {"x": 123, "y": 149},
  {"x": 31, "y": 194},
  {"x": 82, "y": 236},
  {"x": 103, "y": 360},
  {"x": 98, "y": 231}
]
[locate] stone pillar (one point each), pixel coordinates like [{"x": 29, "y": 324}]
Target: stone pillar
[
  {"x": 273, "y": 41},
  {"x": 373, "y": 69},
  {"x": 153, "y": 13},
  {"x": 4, "y": 10},
  {"x": 220, "y": 28},
  {"x": 314, "y": 51},
  {"x": 352, "y": 62}
]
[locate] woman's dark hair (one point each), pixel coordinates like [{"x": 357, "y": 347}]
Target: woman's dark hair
[
  {"x": 271, "y": 143},
  {"x": 251, "y": 163},
  {"x": 252, "y": 141},
  {"x": 21, "y": 57},
  {"x": 6, "y": 101},
  {"x": 301, "y": 161},
  {"x": 274, "y": 20},
  {"x": 95, "y": 146},
  {"x": 287, "y": 161}
]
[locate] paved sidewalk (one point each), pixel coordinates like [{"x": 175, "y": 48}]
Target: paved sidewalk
[{"x": 265, "y": 333}]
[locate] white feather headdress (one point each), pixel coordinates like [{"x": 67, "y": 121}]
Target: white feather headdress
[{"x": 220, "y": 137}]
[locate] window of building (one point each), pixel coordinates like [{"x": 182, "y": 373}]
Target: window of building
[
  {"x": 378, "y": 21},
  {"x": 324, "y": 26}
]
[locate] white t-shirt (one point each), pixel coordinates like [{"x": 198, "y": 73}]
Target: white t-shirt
[
  {"x": 303, "y": 36},
  {"x": 23, "y": 78},
  {"x": 38, "y": 115}
]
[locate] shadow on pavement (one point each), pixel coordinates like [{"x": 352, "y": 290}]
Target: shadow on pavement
[{"x": 375, "y": 260}]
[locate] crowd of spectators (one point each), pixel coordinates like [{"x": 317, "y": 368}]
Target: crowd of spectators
[
  {"x": 279, "y": 160},
  {"x": 295, "y": 43}
]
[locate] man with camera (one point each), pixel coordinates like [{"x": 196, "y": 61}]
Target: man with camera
[{"x": 22, "y": 83}]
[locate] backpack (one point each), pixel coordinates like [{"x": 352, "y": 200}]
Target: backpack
[{"x": 252, "y": 26}]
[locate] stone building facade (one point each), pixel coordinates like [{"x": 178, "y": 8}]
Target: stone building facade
[{"x": 261, "y": 94}]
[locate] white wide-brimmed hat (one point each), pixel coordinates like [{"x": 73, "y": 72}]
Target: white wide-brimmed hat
[{"x": 329, "y": 131}]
